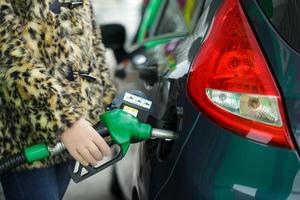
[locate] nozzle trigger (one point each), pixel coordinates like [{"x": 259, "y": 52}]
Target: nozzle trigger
[{"x": 80, "y": 173}]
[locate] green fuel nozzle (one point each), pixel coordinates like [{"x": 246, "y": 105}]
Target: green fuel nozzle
[{"x": 124, "y": 129}]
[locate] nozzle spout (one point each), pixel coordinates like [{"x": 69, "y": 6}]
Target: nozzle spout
[{"x": 163, "y": 134}]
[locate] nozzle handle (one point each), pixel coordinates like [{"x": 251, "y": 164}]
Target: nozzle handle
[
  {"x": 80, "y": 173},
  {"x": 101, "y": 129}
]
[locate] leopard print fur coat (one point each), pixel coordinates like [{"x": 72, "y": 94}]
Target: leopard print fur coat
[{"x": 52, "y": 72}]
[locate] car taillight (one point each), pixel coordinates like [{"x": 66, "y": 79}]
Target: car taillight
[{"x": 230, "y": 81}]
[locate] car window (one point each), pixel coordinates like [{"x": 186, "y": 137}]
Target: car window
[
  {"x": 178, "y": 16},
  {"x": 285, "y": 16}
]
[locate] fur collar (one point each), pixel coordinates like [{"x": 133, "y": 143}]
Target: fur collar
[
  {"x": 39, "y": 8},
  {"x": 27, "y": 8}
]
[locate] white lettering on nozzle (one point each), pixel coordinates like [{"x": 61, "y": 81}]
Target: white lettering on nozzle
[{"x": 137, "y": 100}]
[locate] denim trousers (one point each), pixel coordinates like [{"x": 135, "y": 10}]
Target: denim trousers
[{"x": 38, "y": 184}]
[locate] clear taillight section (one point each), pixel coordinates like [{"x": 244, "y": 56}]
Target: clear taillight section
[
  {"x": 231, "y": 83},
  {"x": 260, "y": 108}
]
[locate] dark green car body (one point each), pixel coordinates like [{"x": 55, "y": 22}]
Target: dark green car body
[{"x": 207, "y": 161}]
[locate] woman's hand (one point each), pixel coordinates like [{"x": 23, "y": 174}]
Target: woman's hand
[{"x": 84, "y": 143}]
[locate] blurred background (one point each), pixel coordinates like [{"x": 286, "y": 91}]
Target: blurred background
[{"x": 127, "y": 13}]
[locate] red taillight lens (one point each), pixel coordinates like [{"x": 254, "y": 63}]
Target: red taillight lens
[{"x": 231, "y": 83}]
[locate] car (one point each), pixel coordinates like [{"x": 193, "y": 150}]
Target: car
[{"x": 225, "y": 75}]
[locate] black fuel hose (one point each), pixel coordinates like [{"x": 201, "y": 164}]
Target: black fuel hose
[{"x": 12, "y": 162}]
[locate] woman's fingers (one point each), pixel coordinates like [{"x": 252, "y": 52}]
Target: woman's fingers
[
  {"x": 102, "y": 145},
  {"x": 88, "y": 156},
  {"x": 96, "y": 153},
  {"x": 75, "y": 154}
]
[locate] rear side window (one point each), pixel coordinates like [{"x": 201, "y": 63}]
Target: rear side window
[
  {"x": 178, "y": 16},
  {"x": 285, "y": 16}
]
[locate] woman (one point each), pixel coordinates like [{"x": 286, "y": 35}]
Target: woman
[{"x": 53, "y": 85}]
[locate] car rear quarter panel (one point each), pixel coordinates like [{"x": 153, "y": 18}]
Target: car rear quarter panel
[{"x": 217, "y": 164}]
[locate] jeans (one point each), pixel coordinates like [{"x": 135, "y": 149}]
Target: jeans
[{"x": 47, "y": 184}]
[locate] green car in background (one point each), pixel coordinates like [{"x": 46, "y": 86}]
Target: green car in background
[{"x": 225, "y": 75}]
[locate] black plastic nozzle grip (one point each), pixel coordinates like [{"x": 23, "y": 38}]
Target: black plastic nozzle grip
[
  {"x": 101, "y": 129},
  {"x": 90, "y": 170},
  {"x": 12, "y": 162}
]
